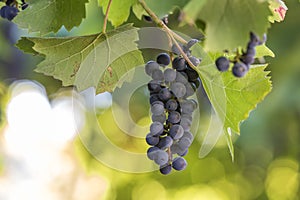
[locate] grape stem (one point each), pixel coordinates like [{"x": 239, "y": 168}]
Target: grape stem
[
  {"x": 106, "y": 17},
  {"x": 174, "y": 37}
]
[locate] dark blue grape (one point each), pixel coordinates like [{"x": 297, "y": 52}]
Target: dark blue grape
[
  {"x": 179, "y": 164},
  {"x": 165, "y": 94},
  {"x": 158, "y": 75},
  {"x": 195, "y": 60},
  {"x": 154, "y": 86},
  {"x": 174, "y": 117},
  {"x": 165, "y": 142},
  {"x": 147, "y": 18},
  {"x": 8, "y": 12},
  {"x": 163, "y": 59},
  {"x": 179, "y": 64},
  {"x": 171, "y": 105},
  {"x": 166, "y": 169},
  {"x": 185, "y": 123},
  {"x": 181, "y": 77},
  {"x": 178, "y": 89},
  {"x": 161, "y": 157},
  {"x": 176, "y": 131},
  {"x": 192, "y": 74},
  {"x": 239, "y": 69},
  {"x": 153, "y": 98},
  {"x": 159, "y": 118},
  {"x": 222, "y": 63},
  {"x": 150, "y": 67},
  {"x": 170, "y": 75},
  {"x": 156, "y": 128},
  {"x": 151, "y": 152},
  {"x": 175, "y": 49},
  {"x": 152, "y": 140},
  {"x": 157, "y": 108}
]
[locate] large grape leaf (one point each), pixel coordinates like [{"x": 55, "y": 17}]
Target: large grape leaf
[
  {"x": 231, "y": 98},
  {"x": 119, "y": 10},
  {"x": 97, "y": 60},
  {"x": 228, "y": 23},
  {"x": 47, "y": 16},
  {"x": 158, "y": 7}
]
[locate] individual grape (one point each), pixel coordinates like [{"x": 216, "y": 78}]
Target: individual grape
[
  {"x": 159, "y": 118},
  {"x": 163, "y": 59},
  {"x": 156, "y": 128},
  {"x": 147, "y": 18},
  {"x": 166, "y": 169},
  {"x": 239, "y": 69},
  {"x": 185, "y": 123},
  {"x": 175, "y": 149},
  {"x": 179, "y": 164},
  {"x": 194, "y": 60},
  {"x": 176, "y": 131},
  {"x": 169, "y": 75},
  {"x": 188, "y": 135},
  {"x": 157, "y": 108},
  {"x": 187, "y": 116},
  {"x": 222, "y": 63},
  {"x": 189, "y": 89},
  {"x": 174, "y": 117},
  {"x": 157, "y": 74},
  {"x": 153, "y": 98},
  {"x": 8, "y": 12},
  {"x": 152, "y": 140},
  {"x": 151, "y": 152},
  {"x": 183, "y": 153},
  {"x": 165, "y": 142},
  {"x": 161, "y": 157},
  {"x": 192, "y": 74},
  {"x": 150, "y": 67},
  {"x": 24, "y": 6},
  {"x": 171, "y": 105},
  {"x": 154, "y": 86},
  {"x": 165, "y": 94},
  {"x": 181, "y": 77},
  {"x": 192, "y": 42},
  {"x": 197, "y": 82},
  {"x": 179, "y": 64},
  {"x": 178, "y": 89},
  {"x": 184, "y": 143},
  {"x": 188, "y": 106}
]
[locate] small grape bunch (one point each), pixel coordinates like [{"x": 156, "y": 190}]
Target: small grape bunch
[
  {"x": 170, "y": 135},
  {"x": 242, "y": 63},
  {"x": 11, "y": 9}
]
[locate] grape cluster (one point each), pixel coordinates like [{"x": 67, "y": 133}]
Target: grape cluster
[
  {"x": 242, "y": 65},
  {"x": 11, "y": 9},
  {"x": 170, "y": 135}
]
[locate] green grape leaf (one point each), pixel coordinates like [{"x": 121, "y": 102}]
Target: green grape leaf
[
  {"x": 47, "y": 16},
  {"x": 231, "y": 98},
  {"x": 119, "y": 10},
  {"x": 158, "y": 7},
  {"x": 228, "y": 23},
  {"x": 192, "y": 10},
  {"x": 97, "y": 60},
  {"x": 263, "y": 50}
]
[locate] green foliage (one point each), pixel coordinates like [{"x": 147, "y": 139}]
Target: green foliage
[
  {"x": 101, "y": 60},
  {"x": 119, "y": 10},
  {"x": 228, "y": 23},
  {"x": 232, "y": 98},
  {"x": 49, "y": 16},
  {"x": 97, "y": 60}
]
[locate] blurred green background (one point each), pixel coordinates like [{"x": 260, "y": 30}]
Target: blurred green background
[{"x": 267, "y": 153}]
